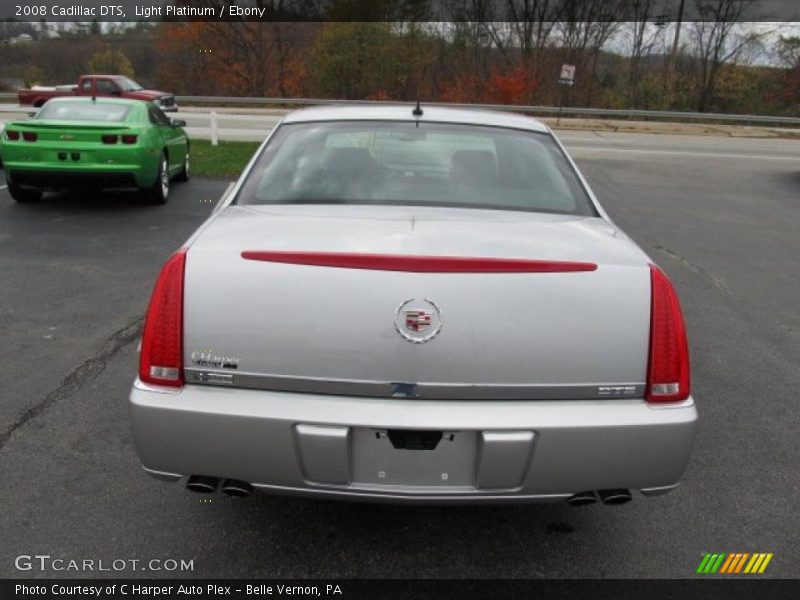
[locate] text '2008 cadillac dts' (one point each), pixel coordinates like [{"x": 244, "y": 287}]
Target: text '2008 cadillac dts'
[{"x": 414, "y": 306}]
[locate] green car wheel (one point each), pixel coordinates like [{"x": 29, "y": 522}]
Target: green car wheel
[
  {"x": 159, "y": 193},
  {"x": 24, "y": 194},
  {"x": 184, "y": 173}
]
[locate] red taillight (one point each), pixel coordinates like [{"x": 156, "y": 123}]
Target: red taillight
[
  {"x": 29, "y": 136},
  {"x": 110, "y": 139},
  {"x": 12, "y": 135},
  {"x": 161, "y": 358},
  {"x": 668, "y": 366},
  {"x": 129, "y": 139}
]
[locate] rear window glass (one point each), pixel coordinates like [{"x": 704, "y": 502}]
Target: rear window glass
[
  {"x": 79, "y": 111},
  {"x": 425, "y": 164}
]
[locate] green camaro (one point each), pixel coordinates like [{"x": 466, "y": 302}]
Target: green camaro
[{"x": 94, "y": 143}]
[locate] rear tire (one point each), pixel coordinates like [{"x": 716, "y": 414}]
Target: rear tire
[
  {"x": 159, "y": 193},
  {"x": 24, "y": 194},
  {"x": 185, "y": 173}
]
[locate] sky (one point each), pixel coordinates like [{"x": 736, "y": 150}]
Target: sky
[{"x": 764, "y": 55}]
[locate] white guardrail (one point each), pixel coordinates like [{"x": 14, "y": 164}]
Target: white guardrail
[
  {"x": 236, "y": 125},
  {"x": 545, "y": 110}
]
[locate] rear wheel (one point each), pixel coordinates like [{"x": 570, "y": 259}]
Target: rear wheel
[
  {"x": 185, "y": 172},
  {"x": 24, "y": 194},
  {"x": 159, "y": 193}
]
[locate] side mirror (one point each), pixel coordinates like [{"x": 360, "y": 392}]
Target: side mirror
[{"x": 178, "y": 123}]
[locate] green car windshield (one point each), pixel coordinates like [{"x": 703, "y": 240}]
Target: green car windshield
[{"x": 84, "y": 111}]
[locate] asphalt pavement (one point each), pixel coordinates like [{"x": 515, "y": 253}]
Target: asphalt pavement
[{"x": 721, "y": 216}]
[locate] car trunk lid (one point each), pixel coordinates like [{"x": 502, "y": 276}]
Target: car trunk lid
[
  {"x": 562, "y": 333},
  {"x": 72, "y": 131}
]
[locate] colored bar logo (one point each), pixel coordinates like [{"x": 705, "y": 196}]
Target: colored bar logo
[{"x": 734, "y": 563}]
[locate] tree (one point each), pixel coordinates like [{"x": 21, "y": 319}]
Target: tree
[
  {"x": 532, "y": 21},
  {"x": 718, "y": 39},
  {"x": 192, "y": 67},
  {"x": 521, "y": 32},
  {"x": 525, "y": 25},
  {"x": 644, "y": 34},
  {"x": 471, "y": 36},
  {"x": 789, "y": 51},
  {"x": 584, "y": 27},
  {"x": 372, "y": 60},
  {"x": 33, "y": 75},
  {"x": 112, "y": 62}
]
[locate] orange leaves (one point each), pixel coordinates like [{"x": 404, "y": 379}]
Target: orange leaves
[
  {"x": 463, "y": 88},
  {"x": 375, "y": 61},
  {"x": 234, "y": 59},
  {"x": 295, "y": 77},
  {"x": 189, "y": 47},
  {"x": 514, "y": 85},
  {"x": 381, "y": 95}
]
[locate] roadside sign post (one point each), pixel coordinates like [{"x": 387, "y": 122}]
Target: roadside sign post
[
  {"x": 566, "y": 79},
  {"x": 214, "y": 129}
]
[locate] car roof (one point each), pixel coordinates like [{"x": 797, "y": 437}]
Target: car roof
[
  {"x": 402, "y": 112},
  {"x": 103, "y": 99}
]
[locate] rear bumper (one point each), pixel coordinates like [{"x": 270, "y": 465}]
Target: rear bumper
[
  {"x": 337, "y": 446},
  {"x": 57, "y": 179},
  {"x": 54, "y": 167}
]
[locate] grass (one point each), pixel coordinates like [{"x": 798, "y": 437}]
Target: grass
[{"x": 226, "y": 160}]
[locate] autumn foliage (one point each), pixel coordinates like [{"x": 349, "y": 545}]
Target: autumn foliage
[
  {"x": 405, "y": 60},
  {"x": 510, "y": 85},
  {"x": 233, "y": 59},
  {"x": 375, "y": 61}
]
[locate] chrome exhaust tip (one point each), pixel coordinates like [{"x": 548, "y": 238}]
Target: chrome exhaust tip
[
  {"x": 236, "y": 489},
  {"x": 613, "y": 497},
  {"x": 202, "y": 484},
  {"x": 582, "y": 499}
]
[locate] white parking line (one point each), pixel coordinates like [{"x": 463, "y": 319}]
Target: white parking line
[
  {"x": 682, "y": 153},
  {"x": 2, "y": 187}
]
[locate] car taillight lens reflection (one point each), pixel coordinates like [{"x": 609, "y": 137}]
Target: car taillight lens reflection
[
  {"x": 668, "y": 366},
  {"x": 161, "y": 357},
  {"x": 12, "y": 135},
  {"x": 129, "y": 139},
  {"x": 110, "y": 139},
  {"x": 29, "y": 136}
]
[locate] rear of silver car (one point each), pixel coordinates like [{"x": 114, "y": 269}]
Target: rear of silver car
[
  {"x": 411, "y": 450},
  {"x": 415, "y": 354}
]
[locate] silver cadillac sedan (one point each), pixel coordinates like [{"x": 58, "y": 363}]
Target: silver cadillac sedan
[{"x": 414, "y": 305}]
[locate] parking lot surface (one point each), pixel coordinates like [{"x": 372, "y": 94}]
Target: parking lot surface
[{"x": 722, "y": 218}]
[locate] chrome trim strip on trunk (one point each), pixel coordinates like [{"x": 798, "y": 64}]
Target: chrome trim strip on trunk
[{"x": 422, "y": 391}]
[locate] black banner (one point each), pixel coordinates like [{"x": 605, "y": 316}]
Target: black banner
[
  {"x": 441, "y": 589},
  {"x": 397, "y": 10}
]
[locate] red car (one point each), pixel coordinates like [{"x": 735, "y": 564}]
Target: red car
[{"x": 99, "y": 85}]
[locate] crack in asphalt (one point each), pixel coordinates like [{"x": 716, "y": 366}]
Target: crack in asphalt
[
  {"x": 696, "y": 269},
  {"x": 78, "y": 377}
]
